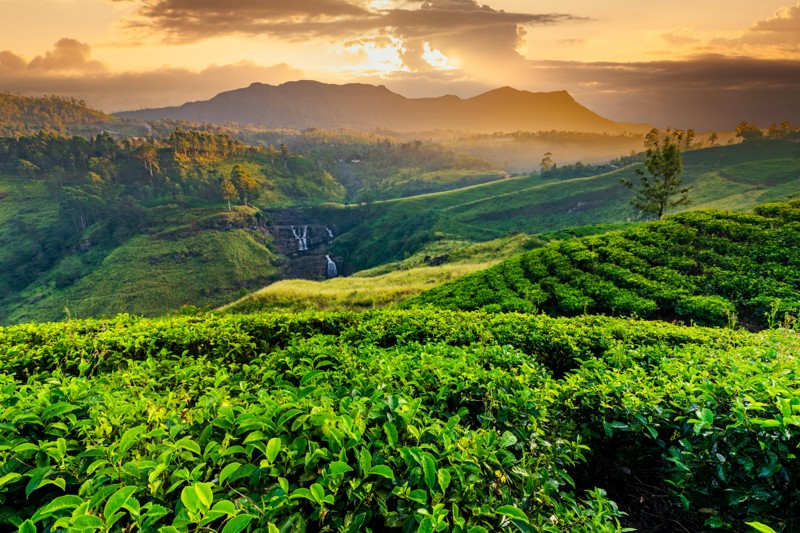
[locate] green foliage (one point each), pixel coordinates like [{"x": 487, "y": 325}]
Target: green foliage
[
  {"x": 417, "y": 420},
  {"x": 662, "y": 188},
  {"x": 26, "y": 115},
  {"x": 733, "y": 177},
  {"x": 707, "y": 267}
]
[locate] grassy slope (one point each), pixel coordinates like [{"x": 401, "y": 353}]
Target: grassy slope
[
  {"x": 385, "y": 285},
  {"x": 729, "y": 177},
  {"x": 709, "y": 267},
  {"x": 196, "y": 264}
]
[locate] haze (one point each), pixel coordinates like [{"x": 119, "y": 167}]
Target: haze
[{"x": 705, "y": 65}]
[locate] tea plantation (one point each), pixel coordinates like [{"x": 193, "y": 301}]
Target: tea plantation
[
  {"x": 704, "y": 267},
  {"x": 415, "y": 420}
]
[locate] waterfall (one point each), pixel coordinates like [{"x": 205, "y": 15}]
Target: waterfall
[
  {"x": 331, "y": 267},
  {"x": 302, "y": 240},
  {"x": 330, "y": 233}
]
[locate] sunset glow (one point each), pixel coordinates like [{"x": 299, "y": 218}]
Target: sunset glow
[{"x": 109, "y": 51}]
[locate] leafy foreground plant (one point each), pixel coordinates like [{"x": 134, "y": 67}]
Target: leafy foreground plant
[{"x": 413, "y": 421}]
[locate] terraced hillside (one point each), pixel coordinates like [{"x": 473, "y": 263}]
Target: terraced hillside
[{"x": 705, "y": 267}]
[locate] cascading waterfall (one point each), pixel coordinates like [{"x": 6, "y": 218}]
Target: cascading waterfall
[
  {"x": 302, "y": 240},
  {"x": 332, "y": 272},
  {"x": 330, "y": 233}
]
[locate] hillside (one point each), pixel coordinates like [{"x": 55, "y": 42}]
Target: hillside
[
  {"x": 724, "y": 177},
  {"x": 309, "y": 104},
  {"x": 91, "y": 227},
  {"x": 704, "y": 267},
  {"x": 26, "y": 115}
]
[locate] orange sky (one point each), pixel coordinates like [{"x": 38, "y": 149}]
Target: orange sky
[{"x": 613, "y": 55}]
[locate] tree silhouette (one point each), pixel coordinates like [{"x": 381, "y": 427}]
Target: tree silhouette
[{"x": 661, "y": 188}]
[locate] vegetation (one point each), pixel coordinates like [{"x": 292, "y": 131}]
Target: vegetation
[
  {"x": 20, "y": 115},
  {"x": 705, "y": 267},
  {"x": 724, "y": 177},
  {"x": 386, "y": 285},
  {"x": 324, "y": 421},
  {"x": 78, "y": 214},
  {"x": 662, "y": 188}
]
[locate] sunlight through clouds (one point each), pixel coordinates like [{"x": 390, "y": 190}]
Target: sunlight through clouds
[
  {"x": 381, "y": 54},
  {"x": 436, "y": 58}
]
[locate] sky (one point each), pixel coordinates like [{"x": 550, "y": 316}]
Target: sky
[{"x": 703, "y": 64}]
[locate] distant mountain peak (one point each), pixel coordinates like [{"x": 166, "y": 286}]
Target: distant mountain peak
[{"x": 306, "y": 104}]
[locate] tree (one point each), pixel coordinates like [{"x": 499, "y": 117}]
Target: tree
[
  {"x": 244, "y": 182},
  {"x": 547, "y": 162},
  {"x": 746, "y": 130},
  {"x": 661, "y": 188},
  {"x": 229, "y": 192}
]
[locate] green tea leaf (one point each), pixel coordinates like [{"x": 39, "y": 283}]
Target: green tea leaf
[
  {"x": 27, "y": 527},
  {"x": 118, "y": 500},
  {"x": 129, "y": 438},
  {"x": 237, "y": 524},
  {"x": 429, "y": 470},
  {"x": 228, "y": 471},
  {"x": 382, "y": 470},
  {"x": 512, "y": 512},
  {"x": 339, "y": 467},
  {"x": 273, "y": 448},
  {"x": 365, "y": 461},
  {"x": 761, "y": 528},
  {"x": 318, "y": 493},
  {"x": 204, "y": 494},
  {"x": 391, "y": 434},
  {"x": 508, "y": 439}
]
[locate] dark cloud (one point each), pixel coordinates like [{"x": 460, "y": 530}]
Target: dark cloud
[
  {"x": 190, "y": 20},
  {"x": 711, "y": 92}
]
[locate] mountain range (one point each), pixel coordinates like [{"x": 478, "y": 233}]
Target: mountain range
[{"x": 310, "y": 104}]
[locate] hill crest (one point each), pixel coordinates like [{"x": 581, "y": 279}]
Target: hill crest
[{"x": 311, "y": 104}]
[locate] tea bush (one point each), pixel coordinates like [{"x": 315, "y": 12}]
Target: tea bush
[
  {"x": 414, "y": 420},
  {"x": 705, "y": 267}
]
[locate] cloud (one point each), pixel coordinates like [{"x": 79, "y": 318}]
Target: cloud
[
  {"x": 782, "y": 29},
  {"x": 704, "y": 92},
  {"x": 67, "y": 54},
  {"x": 11, "y": 61},
  {"x": 66, "y": 73},
  {"x": 462, "y": 24},
  {"x": 680, "y": 37}
]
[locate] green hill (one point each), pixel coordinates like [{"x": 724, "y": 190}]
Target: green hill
[
  {"x": 91, "y": 227},
  {"x": 705, "y": 267},
  {"x": 20, "y": 115},
  {"x": 724, "y": 177}
]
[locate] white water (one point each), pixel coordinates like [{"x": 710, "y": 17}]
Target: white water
[
  {"x": 302, "y": 240},
  {"x": 332, "y": 272},
  {"x": 330, "y": 233}
]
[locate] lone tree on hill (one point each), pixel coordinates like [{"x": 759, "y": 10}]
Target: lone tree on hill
[
  {"x": 229, "y": 192},
  {"x": 244, "y": 182},
  {"x": 661, "y": 188}
]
